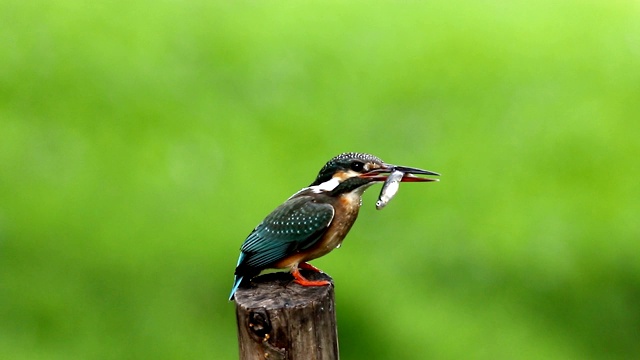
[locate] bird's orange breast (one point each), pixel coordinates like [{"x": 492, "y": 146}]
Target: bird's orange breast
[{"x": 346, "y": 208}]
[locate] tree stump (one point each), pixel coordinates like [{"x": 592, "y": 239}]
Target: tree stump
[{"x": 280, "y": 319}]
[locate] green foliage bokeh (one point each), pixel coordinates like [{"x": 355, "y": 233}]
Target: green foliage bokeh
[{"x": 140, "y": 142}]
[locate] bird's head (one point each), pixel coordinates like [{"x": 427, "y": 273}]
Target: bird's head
[{"x": 357, "y": 171}]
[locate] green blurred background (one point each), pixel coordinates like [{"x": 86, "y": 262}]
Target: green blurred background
[{"x": 140, "y": 142}]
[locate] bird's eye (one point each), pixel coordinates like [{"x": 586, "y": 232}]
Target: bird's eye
[{"x": 357, "y": 166}]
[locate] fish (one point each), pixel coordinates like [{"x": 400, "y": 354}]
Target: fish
[{"x": 389, "y": 189}]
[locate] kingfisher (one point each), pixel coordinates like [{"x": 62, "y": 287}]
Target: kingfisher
[{"x": 316, "y": 219}]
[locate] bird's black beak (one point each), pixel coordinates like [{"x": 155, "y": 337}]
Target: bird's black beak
[{"x": 381, "y": 174}]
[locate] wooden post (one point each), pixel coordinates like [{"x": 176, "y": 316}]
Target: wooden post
[{"x": 279, "y": 319}]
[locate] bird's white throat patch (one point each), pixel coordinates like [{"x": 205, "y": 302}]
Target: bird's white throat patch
[{"x": 327, "y": 185}]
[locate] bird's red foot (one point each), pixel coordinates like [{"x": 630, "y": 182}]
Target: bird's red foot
[
  {"x": 304, "y": 282},
  {"x": 307, "y": 266}
]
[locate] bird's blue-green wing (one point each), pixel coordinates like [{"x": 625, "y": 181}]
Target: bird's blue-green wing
[{"x": 295, "y": 225}]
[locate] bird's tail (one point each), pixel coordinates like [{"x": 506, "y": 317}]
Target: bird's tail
[{"x": 236, "y": 283}]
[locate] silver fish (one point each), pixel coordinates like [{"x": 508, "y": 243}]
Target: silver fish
[{"x": 389, "y": 189}]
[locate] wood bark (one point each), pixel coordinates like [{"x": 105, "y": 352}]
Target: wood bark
[{"x": 280, "y": 319}]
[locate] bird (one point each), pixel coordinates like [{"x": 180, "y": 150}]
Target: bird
[{"x": 316, "y": 219}]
